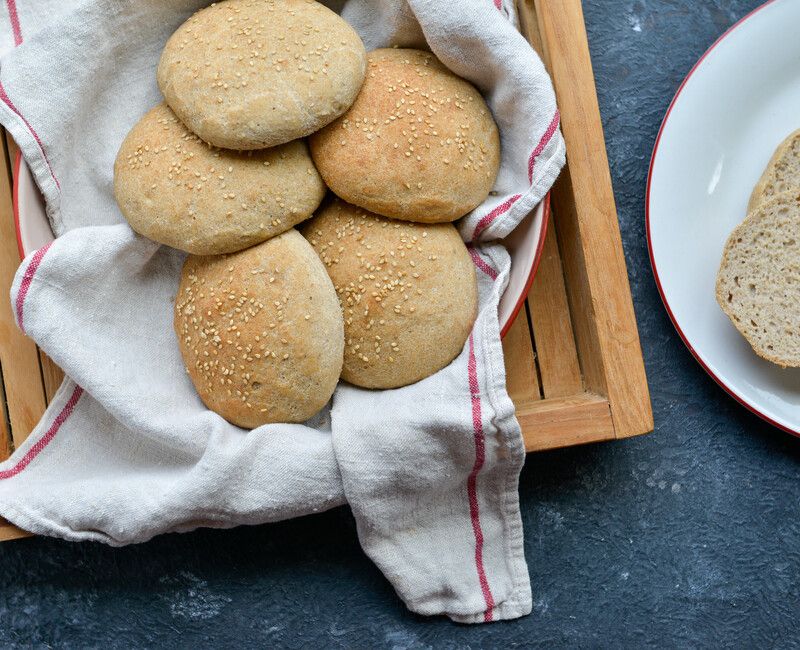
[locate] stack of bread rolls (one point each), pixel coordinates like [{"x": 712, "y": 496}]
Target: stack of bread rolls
[{"x": 377, "y": 287}]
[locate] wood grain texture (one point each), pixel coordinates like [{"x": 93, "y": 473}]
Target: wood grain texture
[
  {"x": 52, "y": 376},
  {"x": 522, "y": 382},
  {"x": 6, "y": 444},
  {"x": 552, "y": 324},
  {"x": 9, "y": 531},
  {"x": 529, "y": 26},
  {"x": 574, "y": 420},
  {"x": 19, "y": 358},
  {"x": 608, "y": 341}
]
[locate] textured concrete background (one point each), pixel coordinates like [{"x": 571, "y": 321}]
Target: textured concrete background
[{"x": 689, "y": 537}]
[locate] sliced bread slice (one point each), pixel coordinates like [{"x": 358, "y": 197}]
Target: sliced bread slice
[
  {"x": 758, "y": 284},
  {"x": 782, "y": 173}
]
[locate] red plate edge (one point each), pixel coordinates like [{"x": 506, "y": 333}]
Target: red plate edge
[
  {"x": 534, "y": 267},
  {"x": 694, "y": 353}
]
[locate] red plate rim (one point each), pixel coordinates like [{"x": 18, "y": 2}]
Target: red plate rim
[
  {"x": 514, "y": 312},
  {"x": 685, "y": 340}
]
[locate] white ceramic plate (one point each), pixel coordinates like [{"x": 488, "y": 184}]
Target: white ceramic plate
[
  {"x": 739, "y": 101},
  {"x": 524, "y": 244}
]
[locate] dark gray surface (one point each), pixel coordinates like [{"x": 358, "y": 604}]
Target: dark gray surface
[{"x": 687, "y": 537}]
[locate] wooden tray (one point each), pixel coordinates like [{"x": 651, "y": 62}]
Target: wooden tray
[{"x": 574, "y": 365}]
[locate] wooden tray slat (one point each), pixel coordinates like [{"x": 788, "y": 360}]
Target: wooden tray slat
[
  {"x": 552, "y": 325},
  {"x": 521, "y": 380},
  {"x": 52, "y": 376},
  {"x": 565, "y": 421},
  {"x": 5, "y": 426},
  {"x": 9, "y": 532}
]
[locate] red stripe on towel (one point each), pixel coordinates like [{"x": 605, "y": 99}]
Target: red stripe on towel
[
  {"x": 548, "y": 135},
  {"x": 4, "y": 96},
  {"x": 472, "y": 492},
  {"x": 37, "y": 448},
  {"x": 504, "y": 207},
  {"x": 483, "y": 266},
  {"x": 14, "y": 18},
  {"x": 25, "y": 285}
]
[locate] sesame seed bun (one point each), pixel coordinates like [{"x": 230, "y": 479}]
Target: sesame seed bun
[
  {"x": 408, "y": 292},
  {"x": 260, "y": 331},
  {"x": 175, "y": 189},
  {"x": 249, "y": 74},
  {"x": 419, "y": 143}
]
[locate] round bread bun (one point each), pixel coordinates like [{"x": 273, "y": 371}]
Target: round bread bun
[
  {"x": 422, "y": 141},
  {"x": 408, "y": 292},
  {"x": 260, "y": 331},
  {"x": 175, "y": 189},
  {"x": 249, "y": 74}
]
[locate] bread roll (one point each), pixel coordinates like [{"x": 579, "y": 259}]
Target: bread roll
[
  {"x": 782, "y": 173},
  {"x": 249, "y": 74},
  {"x": 260, "y": 331},
  {"x": 175, "y": 189},
  {"x": 758, "y": 284},
  {"x": 419, "y": 143},
  {"x": 408, "y": 292}
]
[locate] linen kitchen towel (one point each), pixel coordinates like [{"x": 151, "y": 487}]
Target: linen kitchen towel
[{"x": 126, "y": 450}]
